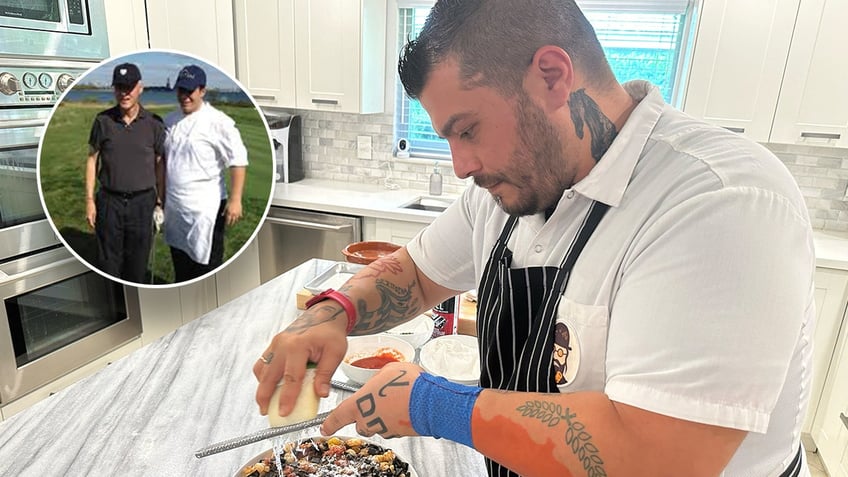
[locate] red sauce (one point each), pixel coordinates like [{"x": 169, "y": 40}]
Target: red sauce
[{"x": 375, "y": 362}]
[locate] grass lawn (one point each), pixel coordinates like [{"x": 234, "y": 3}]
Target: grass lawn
[{"x": 62, "y": 174}]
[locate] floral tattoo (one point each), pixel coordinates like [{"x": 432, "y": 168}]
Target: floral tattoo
[{"x": 576, "y": 436}]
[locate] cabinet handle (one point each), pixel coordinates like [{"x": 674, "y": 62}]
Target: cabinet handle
[
  {"x": 844, "y": 419},
  {"x": 260, "y": 97},
  {"x": 736, "y": 130},
  {"x": 815, "y": 135},
  {"x": 325, "y": 101},
  {"x": 307, "y": 225}
]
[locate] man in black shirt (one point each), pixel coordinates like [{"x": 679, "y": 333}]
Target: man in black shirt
[{"x": 125, "y": 157}]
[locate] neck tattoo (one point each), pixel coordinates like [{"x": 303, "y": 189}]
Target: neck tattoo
[{"x": 585, "y": 111}]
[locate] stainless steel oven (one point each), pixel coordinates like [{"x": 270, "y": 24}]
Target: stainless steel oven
[
  {"x": 57, "y": 316},
  {"x": 69, "y": 29},
  {"x": 28, "y": 91}
]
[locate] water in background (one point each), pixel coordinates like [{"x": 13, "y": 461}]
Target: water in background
[{"x": 154, "y": 96}]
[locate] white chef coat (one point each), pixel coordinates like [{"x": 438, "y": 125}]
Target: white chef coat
[
  {"x": 199, "y": 148},
  {"x": 693, "y": 298}
]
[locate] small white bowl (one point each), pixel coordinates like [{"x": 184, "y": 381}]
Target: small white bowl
[
  {"x": 359, "y": 347},
  {"x": 415, "y": 331},
  {"x": 453, "y": 357}
]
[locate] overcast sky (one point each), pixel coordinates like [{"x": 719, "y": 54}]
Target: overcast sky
[{"x": 156, "y": 67}]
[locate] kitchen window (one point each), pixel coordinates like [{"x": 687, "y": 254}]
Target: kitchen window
[{"x": 643, "y": 39}]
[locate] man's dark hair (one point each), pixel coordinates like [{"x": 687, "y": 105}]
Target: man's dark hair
[{"x": 494, "y": 42}]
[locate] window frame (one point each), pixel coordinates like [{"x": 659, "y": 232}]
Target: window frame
[{"x": 438, "y": 149}]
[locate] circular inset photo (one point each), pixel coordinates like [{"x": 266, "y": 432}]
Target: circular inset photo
[{"x": 156, "y": 168}]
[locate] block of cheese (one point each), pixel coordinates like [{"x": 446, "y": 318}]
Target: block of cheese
[
  {"x": 302, "y": 297},
  {"x": 305, "y": 407}
]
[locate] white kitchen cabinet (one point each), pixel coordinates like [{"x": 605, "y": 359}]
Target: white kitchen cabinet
[
  {"x": 397, "y": 231},
  {"x": 239, "y": 276},
  {"x": 160, "y": 312},
  {"x": 830, "y": 429},
  {"x": 778, "y": 79},
  {"x": 202, "y": 28},
  {"x": 738, "y": 62},
  {"x": 327, "y": 55},
  {"x": 340, "y": 55},
  {"x": 165, "y": 309},
  {"x": 198, "y": 298},
  {"x": 831, "y": 294},
  {"x": 265, "y": 49},
  {"x": 126, "y": 24},
  {"x": 813, "y": 104}
]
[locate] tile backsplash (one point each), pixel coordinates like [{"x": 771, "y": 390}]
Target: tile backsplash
[
  {"x": 330, "y": 141},
  {"x": 822, "y": 175}
]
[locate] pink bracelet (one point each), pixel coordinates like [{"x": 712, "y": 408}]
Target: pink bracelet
[{"x": 343, "y": 300}]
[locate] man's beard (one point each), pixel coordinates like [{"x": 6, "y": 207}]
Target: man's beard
[{"x": 538, "y": 170}]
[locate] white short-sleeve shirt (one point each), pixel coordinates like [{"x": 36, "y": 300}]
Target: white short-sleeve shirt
[
  {"x": 199, "y": 147},
  {"x": 693, "y": 298}
]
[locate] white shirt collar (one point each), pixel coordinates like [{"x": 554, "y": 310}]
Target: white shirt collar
[{"x": 608, "y": 180}]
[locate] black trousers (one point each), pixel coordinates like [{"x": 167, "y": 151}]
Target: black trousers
[
  {"x": 124, "y": 230},
  {"x": 185, "y": 268}
]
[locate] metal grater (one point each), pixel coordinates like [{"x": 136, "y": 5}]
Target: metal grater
[{"x": 237, "y": 442}]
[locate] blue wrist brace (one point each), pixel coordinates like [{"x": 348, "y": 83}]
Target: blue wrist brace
[{"x": 440, "y": 408}]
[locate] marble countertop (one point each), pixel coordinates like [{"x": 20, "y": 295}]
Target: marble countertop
[
  {"x": 146, "y": 414},
  {"x": 354, "y": 199},
  {"x": 831, "y": 249}
]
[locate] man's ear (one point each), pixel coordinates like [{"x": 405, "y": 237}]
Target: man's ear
[{"x": 550, "y": 76}]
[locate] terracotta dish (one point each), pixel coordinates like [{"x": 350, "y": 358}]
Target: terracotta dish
[{"x": 368, "y": 251}]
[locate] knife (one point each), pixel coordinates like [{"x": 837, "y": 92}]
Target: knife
[{"x": 237, "y": 442}]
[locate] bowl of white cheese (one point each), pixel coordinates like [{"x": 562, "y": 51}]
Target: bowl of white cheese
[{"x": 453, "y": 357}]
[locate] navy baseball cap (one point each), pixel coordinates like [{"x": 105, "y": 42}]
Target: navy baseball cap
[
  {"x": 126, "y": 75},
  {"x": 190, "y": 78}
]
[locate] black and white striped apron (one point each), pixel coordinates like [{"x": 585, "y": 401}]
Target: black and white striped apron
[{"x": 516, "y": 314}]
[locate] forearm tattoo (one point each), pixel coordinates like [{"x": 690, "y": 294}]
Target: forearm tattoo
[
  {"x": 384, "y": 265},
  {"x": 315, "y": 316},
  {"x": 576, "y": 436},
  {"x": 585, "y": 112},
  {"x": 395, "y": 306}
]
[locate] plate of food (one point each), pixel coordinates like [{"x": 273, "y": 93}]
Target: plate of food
[{"x": 329, "y": 457}]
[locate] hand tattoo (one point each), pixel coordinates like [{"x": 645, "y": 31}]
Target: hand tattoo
[
  {"x": 394, "y": 383},
  {"x": 367, "y": 406}
]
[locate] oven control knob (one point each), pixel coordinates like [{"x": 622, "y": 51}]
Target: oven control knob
[
  {"x": 64, "y": 81},
  {"x": 9, "y": 84}
]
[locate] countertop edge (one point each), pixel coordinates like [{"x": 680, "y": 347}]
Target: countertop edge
[{"x": 367, "y": 200}]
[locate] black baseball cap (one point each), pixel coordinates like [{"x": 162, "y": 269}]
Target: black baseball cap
[
  {"x": 190, "y": 78},
  {"x": 126, "y": 75}
]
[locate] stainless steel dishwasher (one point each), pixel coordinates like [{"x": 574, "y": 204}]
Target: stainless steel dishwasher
[{"x": 289, "y": 237}]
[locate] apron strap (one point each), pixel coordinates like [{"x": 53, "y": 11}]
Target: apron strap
[{"x": 794, "y": 469}]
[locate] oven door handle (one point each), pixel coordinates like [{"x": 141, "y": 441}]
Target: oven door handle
[
  {"x": 57, "y": 258},
  {"x": 308, "y": 225},
  {"x": 22, "y": 123}
]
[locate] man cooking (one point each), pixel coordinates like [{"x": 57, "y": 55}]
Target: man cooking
[
  {"x": 125, "y": 158},
  {"x": 675, "y": 256},
  {"x": 202, "y": 144}
]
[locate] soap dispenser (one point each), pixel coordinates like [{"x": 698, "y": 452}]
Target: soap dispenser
[{"x": 436, "y": 181}]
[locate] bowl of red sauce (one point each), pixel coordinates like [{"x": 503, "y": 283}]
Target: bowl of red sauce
[{"x": 368, "y": 354}]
